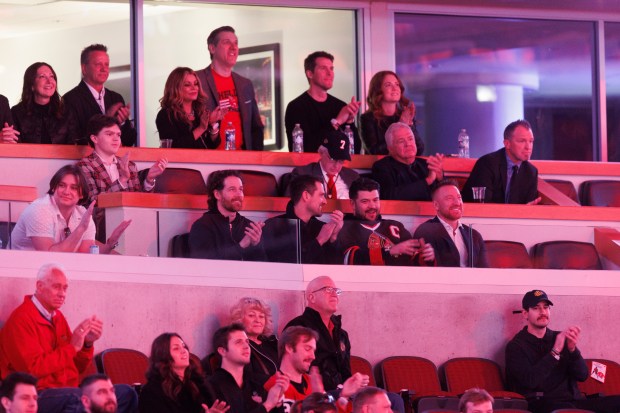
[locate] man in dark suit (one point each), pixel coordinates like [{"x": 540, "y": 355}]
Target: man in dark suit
[
  {"x": 455, "y": 244},
  {"x": 333, "y": 152},
  {"x": 230, "y": 95},
  {"x": 90, "y": 97},
  {"x": 507, "y": 174},
  {"x": 9, "y": 134}
]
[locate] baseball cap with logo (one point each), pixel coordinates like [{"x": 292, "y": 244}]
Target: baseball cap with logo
[
  {"x": 337, "y": 145},
  {"x": 532, "y": 298}
]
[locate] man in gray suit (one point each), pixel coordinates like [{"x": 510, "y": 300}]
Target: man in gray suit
[
  {"x": 333, "y": 152},
  {"x": 231, "y": 97}
]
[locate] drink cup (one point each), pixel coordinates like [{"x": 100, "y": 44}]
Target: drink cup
[
  {"x": 478, "y": 192},
  {"x": 165, "y": 143}
]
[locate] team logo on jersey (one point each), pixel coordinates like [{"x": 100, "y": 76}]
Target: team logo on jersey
[{"x": 395, "y": 231}]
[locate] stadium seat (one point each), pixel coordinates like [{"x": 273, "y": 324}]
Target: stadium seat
[
  {"x": 566, "y": 187},
  {"x": 571, "y": 411},
  {"x": 361, "y": 365},
  {"x": 416, "y": 374},
  {"x": 565, "y": 255},
  {"x": 123, "y": 366},
  {"x": 468, "y": 372},
  {"x": 178, "y": 181},
  {"x": 600, "y": 193},
  {"x": 510, "y": 410},
  {"x": 438, "y": 405},
  {"x": 285, "y": 181},
  {"x": 611, "y": 386},
  {"x": 211, "y": 363},
  {"x": 197, "y": 361},
  {"x": 258, "y": 183},
  {"x": 179, "y": 246},
  {"x": 507, "y": 254},
  {"x": 460, "y": 180}
]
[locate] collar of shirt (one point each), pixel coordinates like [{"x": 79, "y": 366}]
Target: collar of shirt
[
  {"x": 341, "y": 187},
  {"x": 48, "y": 316},
  {"x": 99, "y": 97},
  {"x": 448, "y": 227},
  {"x": 111, "y": 168},
  {"x": 510, "y": 163},
  {"x": 53, "y": 202},
  {"x": 457, "y": 238}
]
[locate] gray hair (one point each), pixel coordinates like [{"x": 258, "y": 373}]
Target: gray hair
[
  {"x": 47, "y": 269},
  {"x": 389, "y": 133}
]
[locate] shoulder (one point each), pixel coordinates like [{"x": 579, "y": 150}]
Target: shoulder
[
  {"x": 530, "y": 167},
  {"x": 301, "y": 100},
  {"x": 114, "y": 95},
  {"x": 4, "y": 100},
  {"x": 305, "y": 169},
  {"x": 87, "y": 160},
  {"x": 75, "y": 92},
  {"x": 349, "y": 172},
  {"x": 335, "y": 101},
  {"x": 18, "y": 109},
  {"x": 240, "y": 80}
]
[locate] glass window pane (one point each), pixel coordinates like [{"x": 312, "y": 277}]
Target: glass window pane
[
  {"x": 482, "y": 73},
  {"x": 612, "y": 78},
  {"x": 176, "y": 35}
]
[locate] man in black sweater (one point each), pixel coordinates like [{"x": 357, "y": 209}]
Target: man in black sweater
[{"x": 545, "y": 365}]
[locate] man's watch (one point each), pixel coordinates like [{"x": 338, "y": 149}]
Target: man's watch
[{"x": 555, "y": 354}]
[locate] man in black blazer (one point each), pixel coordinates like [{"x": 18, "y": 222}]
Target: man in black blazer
[
  {"x": 455, "y": 244},
  {"x": 230, "y": 95},
  {"x": 330, "y": 169},
  {"x": 507, "y": 174},
  {"x": 8, "y": 135},
  {"x": 90, "y": 97}
]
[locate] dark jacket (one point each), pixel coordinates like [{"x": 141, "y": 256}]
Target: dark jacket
[
  {"x": 446, "y": 253},
  {"x": 80, "y": 102},
  {"x": 5, "y": 112},
  {"x": 251, "y": 124},
  {"x": 240, "y": 400},
  {"x": 373, "y": 133},
  {"x": 314, "y": 169},
  {"x": 182, "y": 134},
  {"x": 531, "y": 368},
  {"x": 263, "y": 359},
  {"x": 400, "y": 181},
  {"x": 288, "y": 239},
  {"x": 154, "y": 400},
  {"x": 43, "y": 126},
  {"x": 214, "y": 237},
  {"x": 491, "y": 171},
  {"x": 333, "y": 352}
]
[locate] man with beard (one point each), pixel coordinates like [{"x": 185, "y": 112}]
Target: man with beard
[
  {"x": 507, "y": 174},
  {"x": 98, "y": 394},
  {"x": 545, "y": 365},
  {"x": 368, "y": 239},
  {"x": 298, "y": 236},
  {"x": 233, "y": 383},
  {"x": 222, "y": 233},
  {"x": 296, "y": 351},
  {"x": 455, "y": 244},
  {"x": 401, "y": 175}
]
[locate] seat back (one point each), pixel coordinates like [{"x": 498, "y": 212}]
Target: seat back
[
  {"x": 611, "y": 386},
  {"x": 179, "y": 246},
  {"x": 600, "y": 193},
  {"x": 413, "y": 373},
  {"x": 565, "y": 255},
  {"x": 197, "y": 362},
  {"x": 285, "y": 182},
  {"x": 460, "y": 180},
  {"x": 5, "y": 233},
  {"x": 91, "y": 368},
  {"x": 361, "y": 365},
  {"x": 507, "y": 254},
  {"x": 438, "y": 404},
  {"x": 123, "y": 366},
  {"x": 258, "y": 183},
  {"x": 469, "y": 372},
  {"x": 178, "y": 181},
  {"x": 566, "y": 187}
]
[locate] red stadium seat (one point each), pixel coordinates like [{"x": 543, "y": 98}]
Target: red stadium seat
[
  {"x": 507, "y": 254},
  {"x": 565, "y": 255},
  {"x": 566, "y": 187},
  {"x": 123, "y": 366},
  {"x": 600, "y": 193},
  {"x": 361, "y": 365},
  {"x": 416, "y": 374},
  {"x": 465, "y": 373},
  {"x": 178, "y": 181},
  {"x": 611, "y": 386},
  {"x": 258, "y": 183}
]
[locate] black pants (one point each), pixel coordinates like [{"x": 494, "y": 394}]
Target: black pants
[{"x": 608, "y": 404}]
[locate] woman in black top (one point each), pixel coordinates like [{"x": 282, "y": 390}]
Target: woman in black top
[
  {"x": 387, "y": 104},
  {"x": 174, "y": 384},
  {"x": 255, "y": 316},
  {"x": 183, "y": 116},
  {"x": 40, "y": 116}
]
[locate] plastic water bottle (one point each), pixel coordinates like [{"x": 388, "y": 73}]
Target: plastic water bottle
[
  {"x": 463, "y": 144},
  {"x": 230, "y": 133},
  {"x": 349, "y": 133},
  {"x": 298, "y": 139}
]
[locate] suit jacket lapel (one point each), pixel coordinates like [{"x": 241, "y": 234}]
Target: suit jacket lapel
[
  {"x": 466, "y": 233},
  {"x": 88, "y": 97},
  {"x": 503, "y": 171}
]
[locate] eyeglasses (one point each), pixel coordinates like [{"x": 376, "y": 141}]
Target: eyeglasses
[
  {"x": 67, "y": 232},
  {"x": 329, "y": 290}
]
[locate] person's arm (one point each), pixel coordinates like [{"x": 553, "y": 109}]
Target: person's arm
[
  {"x": 289, "y": 124},
  {"x": 370, "y": 130},
  {"x": 153, "y": 400},
  {"x": 419, "y": 143},
  {"x": 257, "y": 127},
  {"x": 392, "y": 189},
  {"x": 482, "y": 261},
  {"x": 40, "y": 233},
  {"x": 528, "y": 375}
]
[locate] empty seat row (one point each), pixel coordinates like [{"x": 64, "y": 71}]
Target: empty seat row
[{"x": 567, "y": 255}]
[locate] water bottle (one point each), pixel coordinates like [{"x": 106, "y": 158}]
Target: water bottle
[
  {"x": 349, "y": 133},
  {"x": 230, "y": 132},
  {"x": 298, "y": 139},
  {"x": 463, "y": 144}
]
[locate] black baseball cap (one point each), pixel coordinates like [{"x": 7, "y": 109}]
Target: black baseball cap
[
  {"x": 337, "y": 145},
  {"x": 532, "y": 298}
]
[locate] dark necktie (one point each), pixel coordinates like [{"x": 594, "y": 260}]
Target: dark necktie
[
  {"x": 510, "y": 193},
  {"x": 331, "y": 187}
]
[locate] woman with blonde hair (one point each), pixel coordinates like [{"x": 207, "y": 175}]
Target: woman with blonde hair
[
  {"x": 387, "y": 104},
  {"x": 255, "y": 316},
  {"x": 183, "y": 116}
]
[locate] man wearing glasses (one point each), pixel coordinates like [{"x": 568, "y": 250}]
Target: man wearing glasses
[{"x": 333, "y": 152}]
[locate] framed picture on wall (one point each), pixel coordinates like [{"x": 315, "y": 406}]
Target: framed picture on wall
[{"x": 261, "y": 64}]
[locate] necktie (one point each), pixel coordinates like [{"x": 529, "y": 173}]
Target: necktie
[
  {"x": 512, "y": 185},
  {"x": 100, "y": 103},
  {"x": 331, "y": 187}
]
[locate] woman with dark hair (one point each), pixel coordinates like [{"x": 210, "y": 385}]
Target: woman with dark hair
[
  {"x": 255, "y": 316},
  {"x": 183, "y": 116},
  {"x": 40, "y": 116},
  {"x": 387, "y": 104},
  {"x": 174, "y": 384}
]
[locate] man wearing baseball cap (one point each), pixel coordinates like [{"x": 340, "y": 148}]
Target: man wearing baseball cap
[
  {"x": 333, "y": 153},
  {"x": 545, "y": 365}
]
